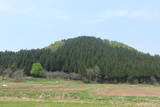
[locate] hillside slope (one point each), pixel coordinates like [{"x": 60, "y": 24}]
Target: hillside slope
[{"x": 93, "y": 58}]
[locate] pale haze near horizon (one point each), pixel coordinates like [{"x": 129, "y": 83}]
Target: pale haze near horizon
[{"x": 28, "y": 24}]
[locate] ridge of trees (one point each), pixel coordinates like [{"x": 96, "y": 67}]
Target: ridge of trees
[{"x": 93, "y": 58}]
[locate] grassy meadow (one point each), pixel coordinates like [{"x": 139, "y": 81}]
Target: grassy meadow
[{"x": 35, "y": 92}]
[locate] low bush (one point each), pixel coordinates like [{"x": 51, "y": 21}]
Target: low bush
[
  {"x": 75, "y": 76},
  {"x": 61, "y": 75},
  {"x": 18, "y": 75},
  {"x": 6, "y": 73}
]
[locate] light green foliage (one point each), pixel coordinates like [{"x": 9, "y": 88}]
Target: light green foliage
[
  {"x": 56, "y": 45},
  {"x": 37, "y": 70},
  {"x": 119, "y": 45}
]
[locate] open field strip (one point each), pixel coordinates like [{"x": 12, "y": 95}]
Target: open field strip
[{"x": 64, "y": 93}]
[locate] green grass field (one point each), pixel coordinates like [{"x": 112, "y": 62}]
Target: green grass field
[
  {"x": 57, "y": 104},
  {"x": 35, "y": 92}
]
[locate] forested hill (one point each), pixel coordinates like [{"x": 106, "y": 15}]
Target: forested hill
[{"x": 93, "y": 58}]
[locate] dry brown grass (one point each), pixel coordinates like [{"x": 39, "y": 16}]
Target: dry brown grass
[{"x": 126, "y": 91}]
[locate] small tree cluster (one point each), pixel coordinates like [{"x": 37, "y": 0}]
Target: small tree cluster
[{"x": 37, "y": 70}]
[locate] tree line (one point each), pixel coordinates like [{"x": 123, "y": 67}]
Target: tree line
[{"x": 92, "y": 58}]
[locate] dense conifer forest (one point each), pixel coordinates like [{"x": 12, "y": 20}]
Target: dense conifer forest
[{"x": 92, "y": 58}]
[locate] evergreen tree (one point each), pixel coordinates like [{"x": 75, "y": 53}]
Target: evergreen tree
[{"x": 116, "y": 62}]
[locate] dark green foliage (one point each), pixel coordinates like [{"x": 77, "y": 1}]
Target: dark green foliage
[
  {"x": 37, "y": 70},
  {"x": 93, "y": 58}
]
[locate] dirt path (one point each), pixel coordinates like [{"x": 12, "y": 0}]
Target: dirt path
[
  {"x": 50, "y": 88},
  {"x": 18, "y": 99},
  {"x": 125, "y": 91},
  {"x": 14, "y": 99}
]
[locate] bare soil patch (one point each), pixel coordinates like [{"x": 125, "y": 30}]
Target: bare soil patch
[{"x": 125, "y": 91}]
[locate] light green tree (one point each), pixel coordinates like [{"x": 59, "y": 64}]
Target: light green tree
[{"x": 37, "y": 70}]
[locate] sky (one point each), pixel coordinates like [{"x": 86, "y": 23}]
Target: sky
[{"x": 28, "y": 24}]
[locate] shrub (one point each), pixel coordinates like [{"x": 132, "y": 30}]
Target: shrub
[
  {"x": 56, "y": 75},
  {"x": 6, "y": 73},
  {"x": 19, "y": 74},
  {"x": 92, "y": 74},
  {"x": 75, "y": 76},
  {"x": 61, "y": 75},
  {"x": 153, "y": 80},
  {"x": 37, "y": 70}
]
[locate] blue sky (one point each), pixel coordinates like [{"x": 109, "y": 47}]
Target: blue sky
[{"x": 27, "y": 24}]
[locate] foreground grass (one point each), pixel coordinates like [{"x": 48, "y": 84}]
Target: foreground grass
[
  {"x": 83, "y": 96},
  {"x": 72, "y": 98},
  {"x": 60, "y": 104}
]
